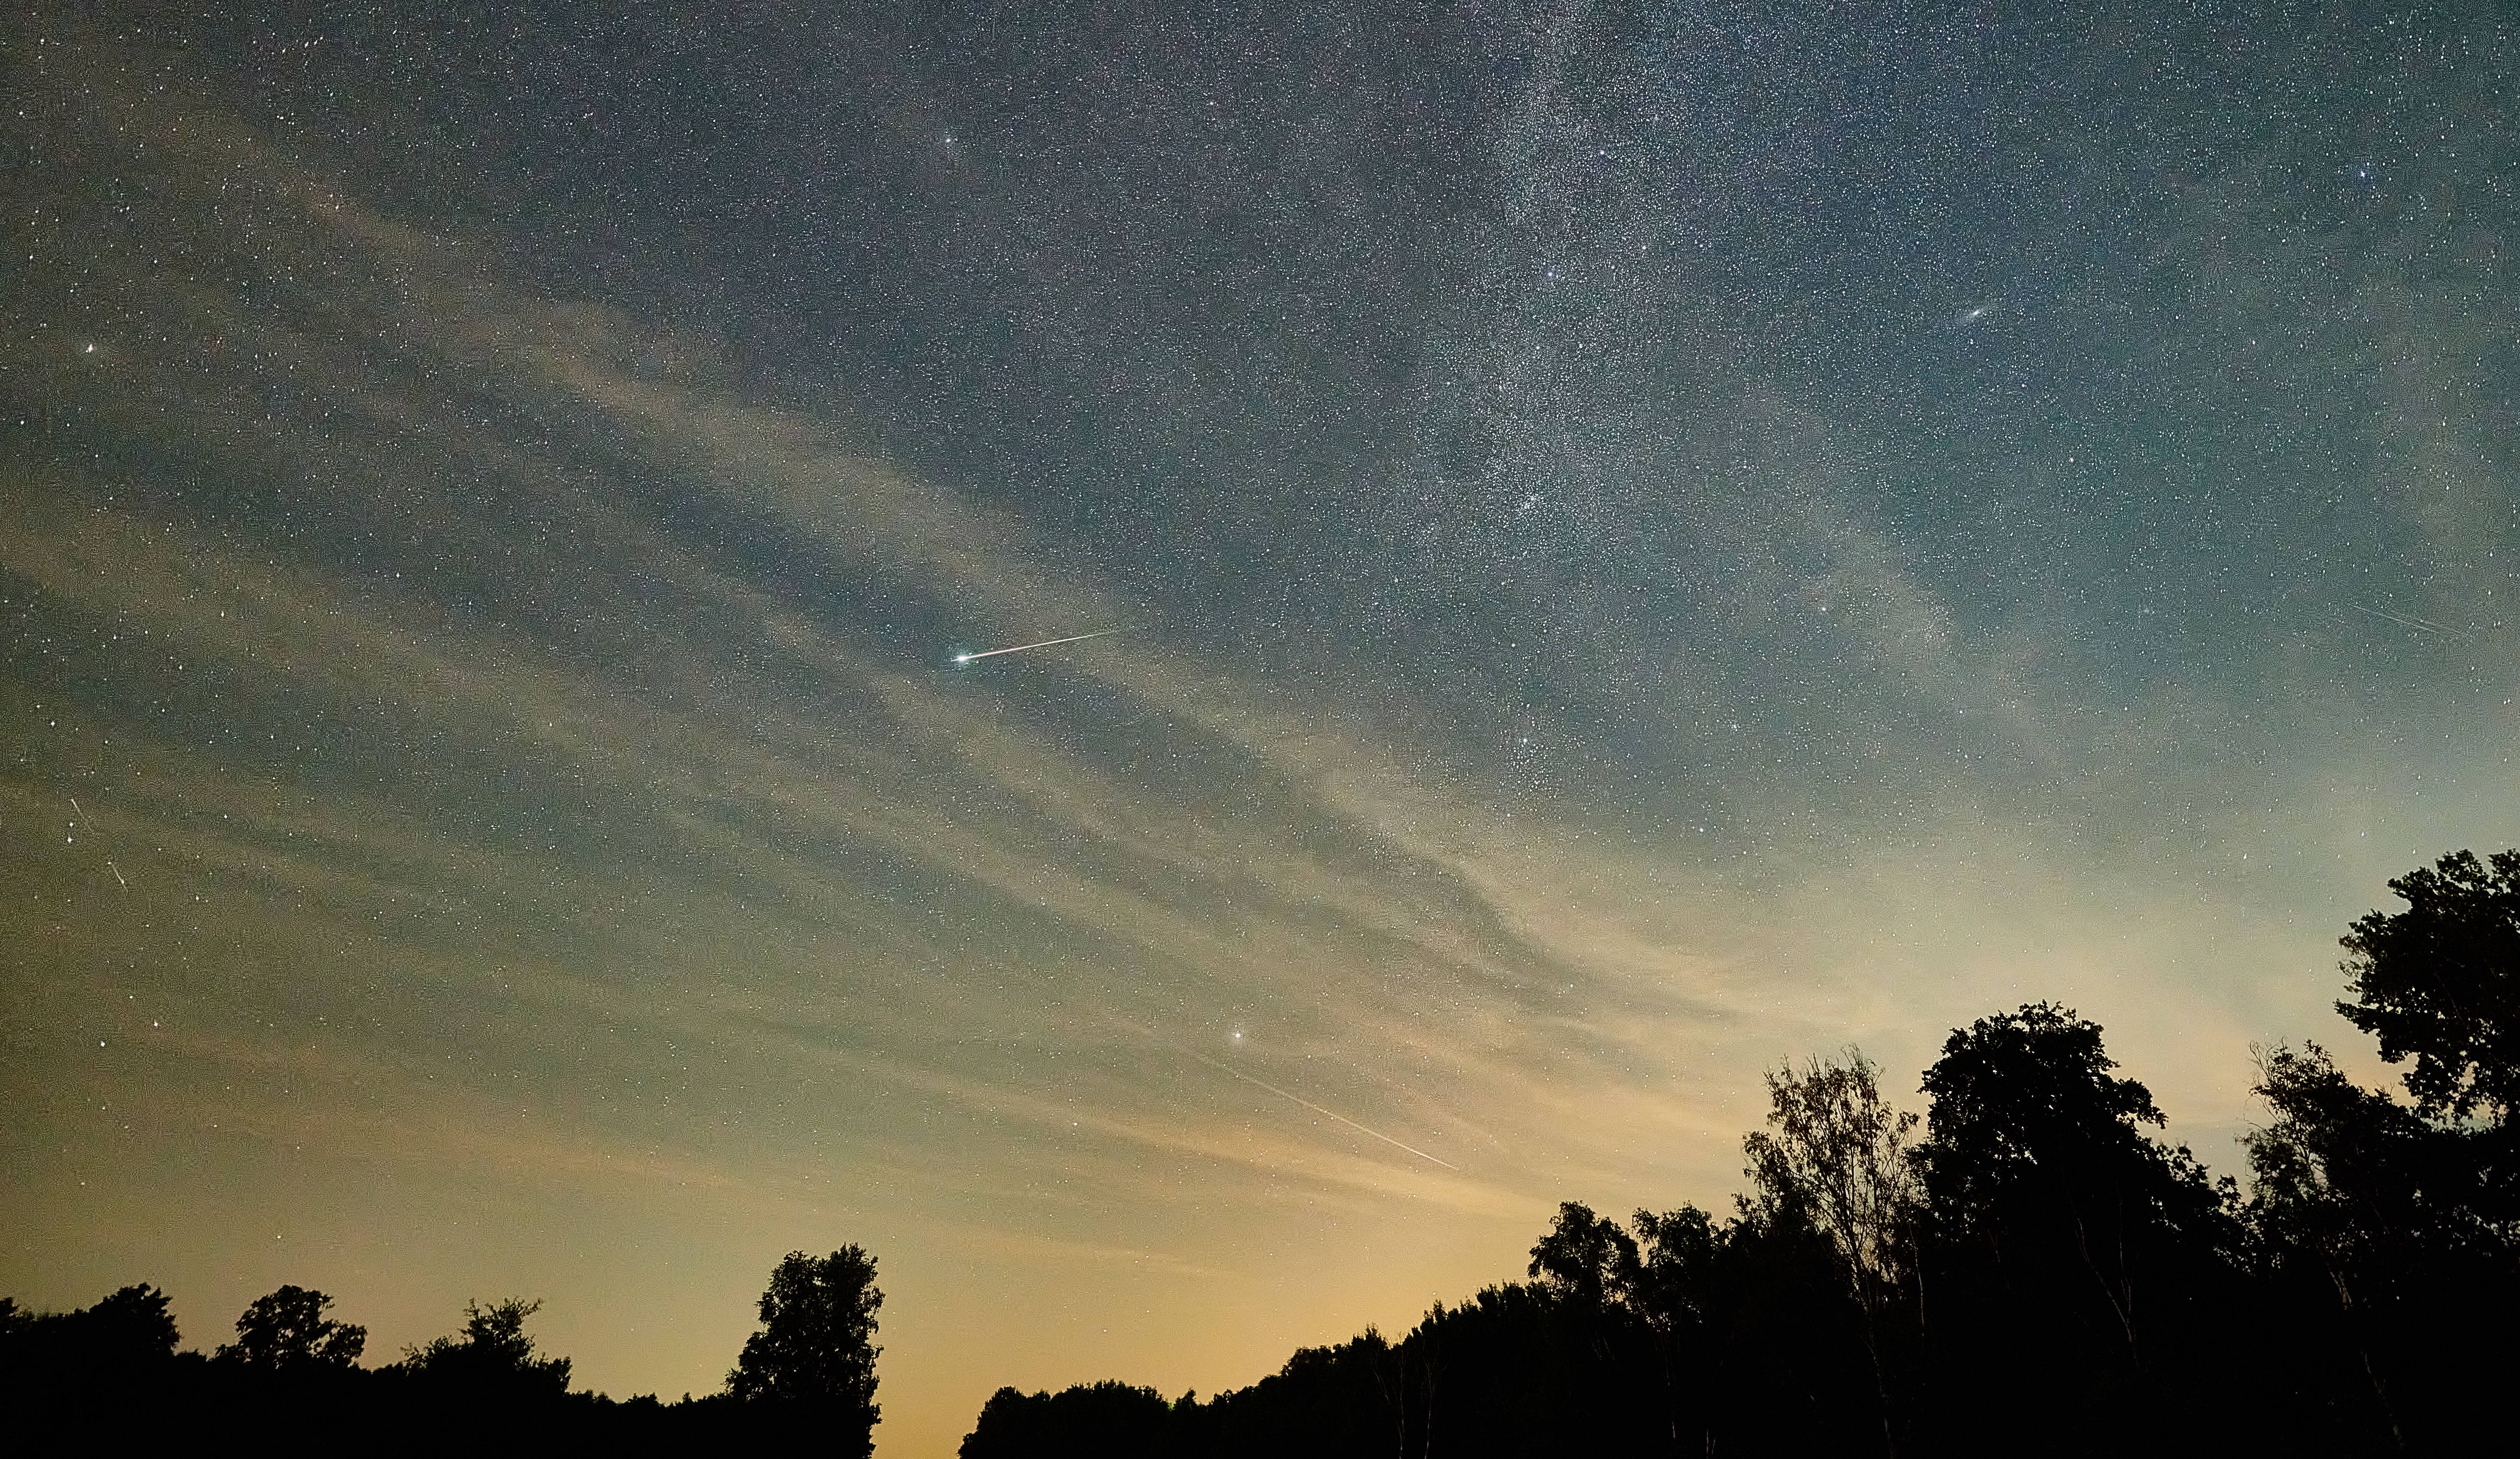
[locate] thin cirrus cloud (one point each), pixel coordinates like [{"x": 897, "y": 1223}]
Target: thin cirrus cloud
[
  {"x": 359, "y": 643},
  {"x": 535, "y": 761}
]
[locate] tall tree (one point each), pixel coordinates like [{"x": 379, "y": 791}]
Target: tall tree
[
  {"x": 2024, "y": 1106},
  {"x": 286, "y": 1330},
  {"x": 1840, "y": 1157},
  {"x": 1672, "y": 1287},
  {"x": 2440, "y": 982},
  {"x": 2066, "y": 1246},
  {"x": 2407, "y": 1214},
  {"x": 2347, "y": 1189},
  {"x": 816, "y": 1347}
]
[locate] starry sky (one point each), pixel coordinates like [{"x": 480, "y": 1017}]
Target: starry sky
[{"x": 1641, "y": 540}]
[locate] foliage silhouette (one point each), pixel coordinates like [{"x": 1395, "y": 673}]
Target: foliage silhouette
[
  {"x": 109, "y": 1376},
  {"x": 1093, "y": 1421},
  {"x": 1584, "y": 1260},
  {"x": 286, "y": 1330},
  {"x": 125, "y": 1337},
  {"x": 2075, "y": 1265},
  {"x": 493, "y": 1358},
  {"x": 109, "y": 1370},
  {"x": 2037, "y": 1274},
  {"x": 815, "y": 1352},
  {"x": 2385, "y": 1229},
  {"x": 2440, "y": 982},
  {"x": 1840, "y": 1159},
  {"x": 1673, "y": 1286}
]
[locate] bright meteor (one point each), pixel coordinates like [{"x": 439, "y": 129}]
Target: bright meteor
[{"x": 1046, "y": 643}]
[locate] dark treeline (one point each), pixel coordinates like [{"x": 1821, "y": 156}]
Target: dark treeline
[
  {"x": 111, "y": 1375},
  {"x": 2026, "y": 1271}
]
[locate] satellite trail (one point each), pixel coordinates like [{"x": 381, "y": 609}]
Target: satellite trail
[
  {"x": 1047, "y": 643},
  {"x": 1318, "y": 1109},
  {"x": 2408, "y": 620}
]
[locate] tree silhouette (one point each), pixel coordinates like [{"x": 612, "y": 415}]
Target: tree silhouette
[
  {"x": 2346, "y": 1187},
  {"x": 2038, "y": 1275},
  {"x": 1677, "y": 1251},
  {"x": 492, "y": 1358},
  {"x": 107, "y": 1369},
  {"x": 2439, "y": 982},
  {"x": 1836, "y": 1154},
  {"x": 286, "y": 1330},
  {"x": 2065, "y": 1240},
  {"x": 1585, "y": 1258},
  {"x": 2024, "y": 1103},
  {"x": 1339, "y": 1402},
  {"x": 2399, "y": 1223},
  {"x": 131, "y": 1323},
  {"x": 1673, "y": 1285},
  {"x": 816, "y": 1347},
  {"x": 1105, "y": 1420}
]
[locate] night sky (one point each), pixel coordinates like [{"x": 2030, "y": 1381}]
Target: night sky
[{"x": 1643, "y": 541}]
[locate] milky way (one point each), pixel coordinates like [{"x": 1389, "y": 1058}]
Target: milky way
[{"x": 1653, "y": 540}]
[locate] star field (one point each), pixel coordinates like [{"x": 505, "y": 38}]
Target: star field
[{"x": 1649, "y": 540}]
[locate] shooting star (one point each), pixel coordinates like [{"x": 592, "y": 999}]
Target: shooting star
[
  {"x": 1047, "y": 643},
  {"x": 1318, "y": 1109}
]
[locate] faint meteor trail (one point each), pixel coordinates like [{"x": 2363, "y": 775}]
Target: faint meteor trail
[
  {"x": 1047, "y": 643},
  {"x": 76, "y": 811},
  {"x": 2408, "y": 620},
  {"x": 1318, "y": 1109}
]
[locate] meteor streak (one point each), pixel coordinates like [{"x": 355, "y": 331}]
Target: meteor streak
[
  {"x": 1318, "y": 1109},
  {"x": 2406, "y": 620},
  {"x": 1047, "y": 643},
  {"x": 91, "y": 829}
]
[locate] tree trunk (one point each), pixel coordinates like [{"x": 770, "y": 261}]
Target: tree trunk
[
  {"x": 1880, "y": 1379},
  {"x": 2126, "y": 1318},
  {"x": 2363, "y": 1350}
]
